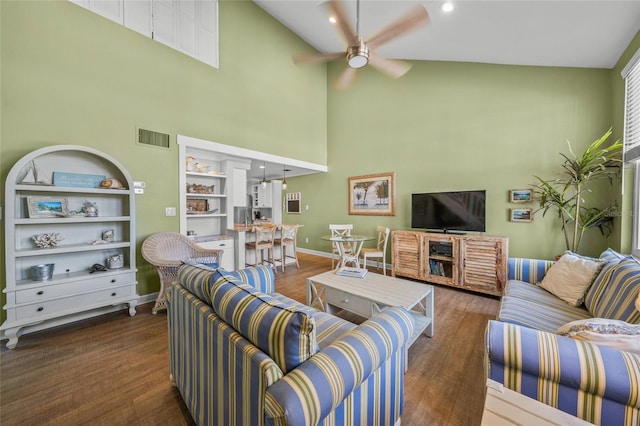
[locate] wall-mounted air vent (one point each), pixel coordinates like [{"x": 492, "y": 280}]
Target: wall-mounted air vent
[{"x": 149, "y": 137}]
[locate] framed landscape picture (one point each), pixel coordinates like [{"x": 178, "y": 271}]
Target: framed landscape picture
[
  {"x": 47, "y": 206},
  {"x": 372, "y": 194},
  {"x": 521, "y": 215},
  {"x": 520, "y": 196}
]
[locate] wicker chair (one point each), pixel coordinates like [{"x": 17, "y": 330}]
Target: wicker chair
[{"x": 166, "y": 251}]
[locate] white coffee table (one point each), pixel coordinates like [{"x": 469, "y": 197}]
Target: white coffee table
[{"x": 369, "y": 295}]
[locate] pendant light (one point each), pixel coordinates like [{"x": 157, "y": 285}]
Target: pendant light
[
  {"x": 264, "y": 175},
  {"x": 284, "y": 177}
]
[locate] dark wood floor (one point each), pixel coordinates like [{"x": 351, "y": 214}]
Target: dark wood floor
[{"x": 113, "y": 370}]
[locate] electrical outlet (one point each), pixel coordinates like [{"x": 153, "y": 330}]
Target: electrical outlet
[
  {"x": 306, "y": 240},
  {"x": 170, "y": 211},
  {"x": 307, "y": 207}
]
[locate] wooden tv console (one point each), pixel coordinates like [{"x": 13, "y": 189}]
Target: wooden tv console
[{"x": 471, "y": 262}]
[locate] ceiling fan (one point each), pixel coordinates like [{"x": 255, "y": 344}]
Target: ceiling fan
[{"x": 359, "y": 51}]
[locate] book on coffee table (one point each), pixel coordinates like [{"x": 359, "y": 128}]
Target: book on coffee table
[{"x": 352, "y": 272}]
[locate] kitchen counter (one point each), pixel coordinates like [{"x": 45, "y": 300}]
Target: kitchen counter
[{"x": 207, "y": 238}]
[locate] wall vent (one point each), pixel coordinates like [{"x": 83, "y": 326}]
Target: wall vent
[{"x": 149, "y": 137}]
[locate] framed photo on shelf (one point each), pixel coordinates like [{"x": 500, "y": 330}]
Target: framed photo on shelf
[
  {"x": 372, "y": 195},
  {"x": 520, "y": 196},
  {"x": 521, "y": 215},
  {"x": 47, "y": 206},
  {"x": 197, "y": 205}
]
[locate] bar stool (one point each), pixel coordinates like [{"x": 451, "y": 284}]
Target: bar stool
[
  {"x": 265, "y": 236},
  {"x": 288, "y": 237}
]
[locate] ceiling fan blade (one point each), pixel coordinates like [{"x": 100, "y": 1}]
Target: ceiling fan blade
[
  {"x": 336, "y": 9},
  {"x": 391, "y": 67},
  {"x": 346, "y": 78},
  {"x": 414, "y": 19},
  {"x": 321, "y": 57}
]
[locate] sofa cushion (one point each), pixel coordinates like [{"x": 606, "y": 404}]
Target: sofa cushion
[
  {"x": 610, "y": 254},
  {"x": 570, "y": 277},
  {"x": 528, "y": 270},
  {"x": 328, "y": 327},
  {"x": 614, "y": 291},
  {"x": 605, "y": 332},
  {"x": 285, "y": 333},
  {"x": 196, "y": 278},
  {"x": 259, "y": 277},
  {"x": 532, "y": 306}
]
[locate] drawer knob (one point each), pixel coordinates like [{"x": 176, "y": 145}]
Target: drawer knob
[
  {"x": 114, "y": 293},
  {"x": 40, "y": 308},
  {"x": 40, "y": 293},
  {"x": 113, "y": 280},
  {"x": 346, "y": 300}
]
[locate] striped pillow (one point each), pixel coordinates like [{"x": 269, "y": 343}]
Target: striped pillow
[
  {"x": 614, "y": 291},
  {"x": 196, "y": 278},
  {"x": 259, "y": 277},
  {"x": 286, "y": 334}
]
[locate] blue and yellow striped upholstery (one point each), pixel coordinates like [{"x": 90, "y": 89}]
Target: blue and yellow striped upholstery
[
  {"x": 532, "y": 306},
  {"x": 259, "y": 277},
  {"x": 528, "y": 270},
  {"x": 221, "y": 376},
  {"x": 224, "y": 378},
  {"x": 280, "y": 330},
  {"x": 610, "y": 254},
  {"x": 614, "y": 291},
  {"x": 318, "y": 388},
  {"x": 196, "y": 278},
  {"x": 597, "y": 384},
  {"x": 328, "y": 327}
]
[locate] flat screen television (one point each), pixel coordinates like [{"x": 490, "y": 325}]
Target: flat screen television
[{"x": 449, "y": 211}]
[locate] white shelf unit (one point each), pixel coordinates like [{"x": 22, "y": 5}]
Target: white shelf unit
[
  {"x": 73, "y": 292},
  {"x": 214, "y": 222}
]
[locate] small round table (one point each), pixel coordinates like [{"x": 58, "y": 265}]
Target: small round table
[{"x": 356, "y": 241}]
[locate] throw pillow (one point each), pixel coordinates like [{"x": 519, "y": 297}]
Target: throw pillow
[
  {"x": 610, "y": 254},
  {"x": 196, "y": 278},
  {"x": 570, "y": 277},
  {"x": 285, "y": 333},
  {"x": 605, "y": 332},
  {"x": 614, "y": 291}
]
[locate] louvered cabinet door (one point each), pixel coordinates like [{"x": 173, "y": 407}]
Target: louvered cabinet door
[
  {"x": 484, "y": 264},
  {"x": 406, "y": 254}
]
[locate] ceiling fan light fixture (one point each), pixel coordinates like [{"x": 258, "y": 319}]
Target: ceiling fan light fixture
[{"x": 358, "y": 55}]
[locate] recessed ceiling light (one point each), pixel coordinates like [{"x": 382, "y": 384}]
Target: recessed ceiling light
[
  {"x": 332, "y": 19},
  {"x": 447, "y": 6}
]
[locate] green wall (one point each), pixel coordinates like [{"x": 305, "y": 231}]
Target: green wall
[
  {"x": 459, "y": 126},
  {"x": 69, "y": 76}
]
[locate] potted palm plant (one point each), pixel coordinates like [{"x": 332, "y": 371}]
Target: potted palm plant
[{"x": 565, "y": 195}]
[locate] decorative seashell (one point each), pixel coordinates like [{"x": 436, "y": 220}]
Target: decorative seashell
[{"x": 111, "y": 183}]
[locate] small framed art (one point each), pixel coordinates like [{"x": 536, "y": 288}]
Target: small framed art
[
  {"x": 521, "y": 215},
  {"x": 47, "y": 206},
  {"x": 520, "y": 195}
]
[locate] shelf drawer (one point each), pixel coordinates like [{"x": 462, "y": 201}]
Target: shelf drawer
[
  {"x": 73, "y": 303},
  {"x": 52, "y": 291},
  {"x": 348, "y": 302}
]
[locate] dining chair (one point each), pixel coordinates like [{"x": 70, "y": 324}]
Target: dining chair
[
  {"x": 340, "y": 231},
  {"x": 379, "y": 252},
  {"x": 265, "y": 236},
  {"x": 166, "y": 251},
  {"x": 288, "y": 236}
]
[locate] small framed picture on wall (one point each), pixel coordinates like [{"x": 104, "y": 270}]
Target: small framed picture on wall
[
  {"x": 520, "y": 196},
  {"x": 521, "y": 215}
]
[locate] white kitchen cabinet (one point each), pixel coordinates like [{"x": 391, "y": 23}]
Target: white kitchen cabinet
[
  {"x": 226, "y": 245},
  {"x": 37, "y": 203}
]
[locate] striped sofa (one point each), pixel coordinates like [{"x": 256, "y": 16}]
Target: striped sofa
[
  {"x": 598, "y": 384},
  {"x": 241, "y": 354}
]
